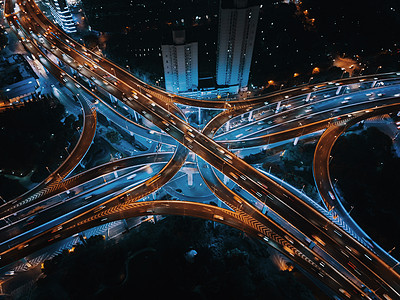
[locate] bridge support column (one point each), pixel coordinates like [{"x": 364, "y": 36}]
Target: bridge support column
[
  {"x": 82, "y": 238},
  {"x": 112, "y": 98},
  {"x": 278, "y": 106},
  {"x": 26, "y": 262},
  {"x": 199, "y": 116},
  {"x": 226, "y": 178},
  {"x": 190, "y": 178},
  {"x": 250, "y": 115},
  {"x": 71, "y": 70},
  {"x": 135, "y": 115},
  {"x": 126, "y": 226},
  {"x": 227, "y": 125}
]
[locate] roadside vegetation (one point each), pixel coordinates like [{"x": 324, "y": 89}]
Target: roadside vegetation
[
  {"x": 153, "y": 261},
  {"x": 33, "y": 137},
  {"x": 366, "y": 170}
]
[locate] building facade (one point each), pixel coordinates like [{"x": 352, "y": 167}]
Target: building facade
[
  {"x": 62, "y": 15},
  {"x": 236, "y": 33},
  {"x": 180, "y": 60}
]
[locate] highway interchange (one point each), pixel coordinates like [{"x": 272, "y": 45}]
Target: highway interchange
[{"x": 266, "y": 209}]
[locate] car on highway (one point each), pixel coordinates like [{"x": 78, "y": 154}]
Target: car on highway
[
  {"x": 233, "y": 175},
  {"x": 321, "y": 242},
  {"x": 218, "y": 217},
  {"x": 9, "y": 273},
  {"x": 344, "y": 292},
  {"x": 30, "y": 220}
]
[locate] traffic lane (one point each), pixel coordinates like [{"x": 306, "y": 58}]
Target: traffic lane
[
  {"x": 322, "y": 176},
  {"x": 291, "y": 217},
  {"x": 79, "y": 150},
  {"x": 298, "y": 221},
  {"x": 67, "y": 189},
  {"x": 292, "y": 107},
  {"x": 274, "y": 230},
  {"x": 310, "y": 125},
  {"x": 81, "y": 70},
  {"x": 97, "y": 172},
  {"x": 313, "y": 224},
  {"x": 93, "y": 198},
  {"x": 280, "y": 120},
  {"x": 190, "y": 209},
  {"x": 117, "y": 118},
  {"x": 350, "y": 258},
  {"x": 306, "y": 88},
  {"x": 183, "y": 151}
]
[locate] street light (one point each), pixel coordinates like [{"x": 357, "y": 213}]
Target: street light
[
  {"x": 344, "y": 71},
  {"x": 395, "y": 266},
  {"x": 112, "y": 69},
  {"x": 377, "y": 69}
]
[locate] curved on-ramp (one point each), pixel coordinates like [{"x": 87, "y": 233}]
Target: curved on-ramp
[{"x": 323, "y": 180}]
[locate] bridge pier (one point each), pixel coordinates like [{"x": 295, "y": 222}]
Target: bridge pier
[
  {"x": 278, "y": 106},
  {"x": 199, "y": 116},
  {"x": 82, "y": 238},
  {"x": 226, "y": 178},
  {"x": 190, "y": 178},
  {"x": 135, "y": 115},
  {"x": 126, "y": 226},
  {"x": 227, "y": 125},
  {"x": 112, "y": 98}
]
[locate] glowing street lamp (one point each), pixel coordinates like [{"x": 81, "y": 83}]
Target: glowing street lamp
[
  {"x": 315, "y": 70},
  {"x": 112, "y": 69}
]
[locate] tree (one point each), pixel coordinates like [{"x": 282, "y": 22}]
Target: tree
[
  {"x": 113, "y": 136},
  {"x": 3, "y": 40}
]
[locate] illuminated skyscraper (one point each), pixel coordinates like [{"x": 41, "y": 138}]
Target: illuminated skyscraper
[
  {"x": 236, "y": 34},
  {"x": 62, "y": 15},
  {"x": 180, "y": 64}
]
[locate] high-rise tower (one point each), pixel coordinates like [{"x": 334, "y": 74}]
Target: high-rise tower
[
  {"x": 62, "y": 15},
  {"x": 236, "y": 34},
  {"x": 180, "y": 64}
]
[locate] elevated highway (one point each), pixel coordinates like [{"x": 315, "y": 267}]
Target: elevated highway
[{"x": 357, "y": 260}]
